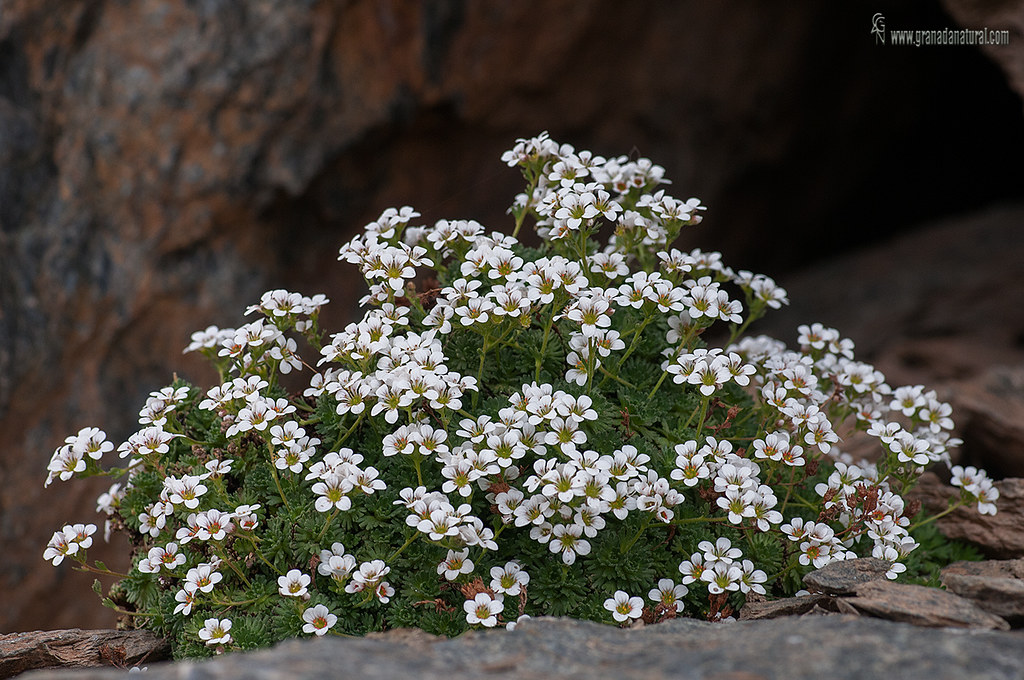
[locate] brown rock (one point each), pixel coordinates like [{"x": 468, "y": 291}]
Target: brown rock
[
  {"x": 997, "y": 586},
  {"x": 789, "y": 606},
  {"x": 827, "y": 608},
  {"x": 991, "y": 408},
  {"x": 1007, "y": 15},
  {"x": 1003, "y": 597},
  {"x": 843, "y": 578},
  {"x": 987, "y": 568},
  {"x": 938, "y": 328},
  {"x": 20, "y": 652},
  {"x": 999, "y": 536},
  {"x": 920, "y": 606}
]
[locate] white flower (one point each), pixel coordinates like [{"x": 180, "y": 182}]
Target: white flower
[
  {"x": 669, "y": 594},
  {"x": 370, "y": 574},
  {"x": 215, "y": 632},
  {"x": 721, "y": 550},
  {"x": 751, "y": 578},
  {"x": 456, "y": 564},
  {"x": 186, "y": 598},
  {"x": 623, "y": 607},
  {"x": 483, "y": 609},
  {"x": 293, "y": 584},
  {"x": 318, "y": 620},
  {"x": 90, "y": 441},
  {"x": 332, "y": 493},
  {"x": 203, "y": 577},
  {"x": 213, "y": 525},
  {"x": 168, "y": 558},
  {"x": 987, "y": 495},
  {"x": 510, "y": 579},
  {"x": 722, "y": 577},
  {"x": 511, "y": 625},
  {"x": 566, "y": 539},
  {"x": 59, "y": 547},
  {"x": 185, "y": 491}
]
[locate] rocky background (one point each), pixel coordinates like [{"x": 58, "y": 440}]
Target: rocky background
[{"x": 163, "y": 163}]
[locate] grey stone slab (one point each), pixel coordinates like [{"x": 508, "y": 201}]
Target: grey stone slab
[
  {"x": 835, "y": 647},
  {"x": 842, "y": 578}
]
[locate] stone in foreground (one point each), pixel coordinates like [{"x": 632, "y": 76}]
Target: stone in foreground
[{"x": 836, "y": 647}]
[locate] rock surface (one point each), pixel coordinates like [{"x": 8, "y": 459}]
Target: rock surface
[
  {"x": 999, "y": 536},
  {"x": 843, "y": 578},
  {"x": 839, "y": 647},
  {"x": 1007, "y": 15},
  {"x": 936, "y": 306},
  {"x": 788, "y": 606},
  {"x": 21, "y": 652},
  {"x": 919, "y": 605},
  {"x": 997, "y": 586},
  {"x": 991, "y": 409}
]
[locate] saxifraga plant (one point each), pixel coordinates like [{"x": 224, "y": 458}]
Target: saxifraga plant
[{"x": 511, "y": 431}]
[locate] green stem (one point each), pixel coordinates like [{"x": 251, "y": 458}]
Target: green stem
[
  {"x": 694, "y": 413},
  {"x": 609, "y": 374},
  {"x": 348, "y": 433},
  {"x": 268, "y": 562},
  {"x": 657, "y": 385},
  {"x": 636, "y": 340},
  {"x": 647, "y": 521},
  {"x": 229, "y": 603},
  {"x": 703, "y": 415},
  {"x": 532, "y": 179},
  {"x": 940, "y": 515},
  {"x": 789, "y": 489},
  {"x": 231, "y": 565},
  {"x": 194, "y": 442},
  {"x": 756, "y": 312},
  {"x": 277, "y": 482},
  {"x": 125, "y": 612},
  {"x": 259, "y": 553},
  {"x": 791, "y": 567},
  {"x": 591, "y": 360},
  {"x": 544, "y": 344},
  {"x": 405, "y": 545},
  {"x": 96, "y": 570},
  {"x": 697, "y": 520},
  {"x": 480, "y": 372},
  {"x": 327, "y": 525},
  {"x": 416, "y": 458}
]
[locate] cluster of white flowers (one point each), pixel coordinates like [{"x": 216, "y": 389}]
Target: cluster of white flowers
[
  {"x": 718, "y": 565},
  {"x": 68, "y": 541},
  {"x": 529, "y": 463}
]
